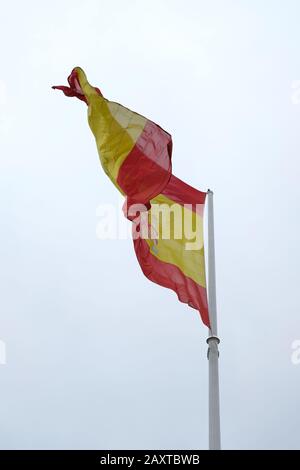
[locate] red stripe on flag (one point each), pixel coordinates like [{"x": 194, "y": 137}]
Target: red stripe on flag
[
  {"x": 146, "y": 170},
  {"x": 183, "y": 193}
]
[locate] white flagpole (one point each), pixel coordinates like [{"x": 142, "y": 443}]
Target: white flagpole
[{"x": 213, "y": 340}]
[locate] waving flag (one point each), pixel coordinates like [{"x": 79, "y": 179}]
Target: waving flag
[
  {"x": 136, "y": 155},
  {"x": 134, "y": 152}
]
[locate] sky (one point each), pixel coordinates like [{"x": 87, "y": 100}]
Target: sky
[{"x": 97, "y": 356}]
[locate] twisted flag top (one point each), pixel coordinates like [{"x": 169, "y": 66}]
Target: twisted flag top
[
  {"x": 129, "y": 145},
  {"x": 136, "y": 155}
]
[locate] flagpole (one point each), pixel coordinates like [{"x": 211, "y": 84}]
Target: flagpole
[{"x": 213, "y": 340}]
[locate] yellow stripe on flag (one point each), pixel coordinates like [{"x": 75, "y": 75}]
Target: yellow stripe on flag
[{"x": 191, "y": 262}]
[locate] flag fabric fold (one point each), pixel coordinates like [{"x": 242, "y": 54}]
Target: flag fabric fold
[{"x": 136, "y": 155}]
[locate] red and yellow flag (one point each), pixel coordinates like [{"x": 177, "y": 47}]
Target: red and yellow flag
[{"x": 167, "y": 213}]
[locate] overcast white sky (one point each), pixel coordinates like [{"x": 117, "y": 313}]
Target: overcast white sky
[{"x": 97, "y": 356}]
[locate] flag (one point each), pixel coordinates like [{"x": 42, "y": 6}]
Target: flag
[
  {"x": 134, "y": 152},
  {"x": 166, "y": 213}
]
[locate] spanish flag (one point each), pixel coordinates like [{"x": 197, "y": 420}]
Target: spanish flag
[{"x": 166, "y": 213}]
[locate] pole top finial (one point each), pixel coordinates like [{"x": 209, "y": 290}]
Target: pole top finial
[{"x": 209, "y": 191}]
